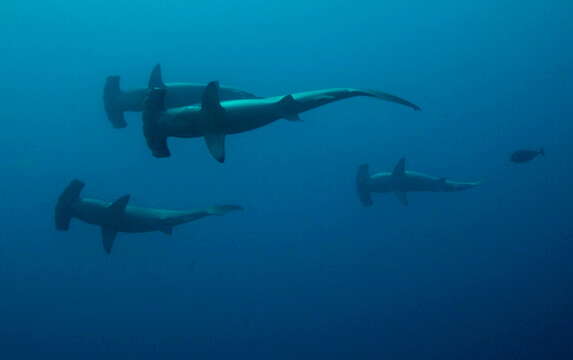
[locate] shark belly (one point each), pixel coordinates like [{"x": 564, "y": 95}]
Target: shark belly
[
  {"x": 380, "y": 183},
  {"x": 415, "y": 182},
  {"x": 191, "y": 122},
  {"x": 137, "y": 220},
  {"x": 411, "y": 182},
  {"x": 96, "y": 212},
  {"x": 185, "y": 122},
  {"x": 91, "y": 211},
  {"x": 246, "y": 115}
]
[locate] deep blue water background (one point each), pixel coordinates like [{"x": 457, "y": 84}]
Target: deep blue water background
[{"x": 304, "y": 271}]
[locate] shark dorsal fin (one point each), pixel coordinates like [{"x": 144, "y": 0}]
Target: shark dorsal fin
[
  {"x": 156, "y": 79},
  {"x": 108, "y": 235},
  {"x": 210, "y": 101},
  {"x": 400, "y": 168},
  {"x": 118, "y": 206}
]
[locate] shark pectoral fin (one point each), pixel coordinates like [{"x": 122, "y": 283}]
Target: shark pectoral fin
[
  {"x": 211, "y": 106},
  {"x": 116, "y": 212},
  {"x": 108, "y": 235},
  {"x": 152, "y": 112},
  {"x": 158, "y": 146},
  {"x": 293, "y": 117},
  {"x": 402, "y": 197},
  {"x": 400, "y": 168},
  {"x": 216, "y": 145},
  {"x": 167, "y": 230},
  {"x": 215, "y": 114},
  {"x": 289, "y": 108},
  {"x": 112, "y": 102},
  {"x": 155, "y": 79}
]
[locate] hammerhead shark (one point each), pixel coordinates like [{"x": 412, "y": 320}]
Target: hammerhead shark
[
  {"x": 118, "y": 216},
  {"x": 214, "y": 119}
]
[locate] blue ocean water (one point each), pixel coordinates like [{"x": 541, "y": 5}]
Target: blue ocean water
[{"x": 304, "y": 271}]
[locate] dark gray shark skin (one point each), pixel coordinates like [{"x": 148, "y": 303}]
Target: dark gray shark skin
[
  {"x": 118, "y": 216},
  {"x": 213, "y": 119},
  {"x": 400, "y": 182},
  {"x": 524, "y": 156},
  {"x": 178, "y": 94}
]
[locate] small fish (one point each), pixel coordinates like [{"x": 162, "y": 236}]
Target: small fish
[{"x": 523, "y": 156}]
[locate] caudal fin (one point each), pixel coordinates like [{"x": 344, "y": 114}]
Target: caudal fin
[
  {"x": 111, "y": 94},
  {"x": 63, "y": 214},
  {"x": 217, "y": 210},
  {"x": 389, "y": 97},
  {"x": 223, "y": 209},
  {"x": 460, "y": 186},
  {"x": 362, "y": 177}
]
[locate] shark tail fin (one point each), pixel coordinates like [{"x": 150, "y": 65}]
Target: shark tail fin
[
  {"x": 362, "y": 177},
  {"x": 542, "y": 152},
  {"x": 389, "y": 97},
  {"x": 111, "y": 94},
  {"x": 63, "y": 214},
  {"x": 223, "y": 209}
]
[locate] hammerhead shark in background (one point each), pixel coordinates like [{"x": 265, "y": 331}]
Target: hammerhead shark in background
[
  {"x": 118, "y": 216},
  {"x": 400, "y": 182},
  {"x": 116, "y": 101}
]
